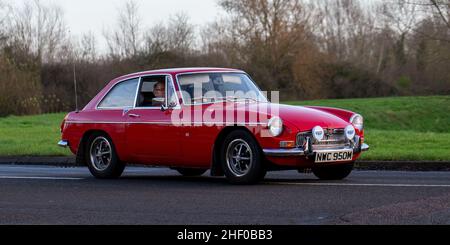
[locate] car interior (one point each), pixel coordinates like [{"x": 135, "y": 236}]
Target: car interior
[{"x": 146, "y": 95}]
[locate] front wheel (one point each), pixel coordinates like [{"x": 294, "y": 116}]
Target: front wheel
[
  {"x": 101, "y": 157},
  {"x": 334, "y": 172},
  {"x": 241, "y": 158}
]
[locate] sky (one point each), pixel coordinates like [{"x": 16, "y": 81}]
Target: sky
[{"x": 94, "y": 16}]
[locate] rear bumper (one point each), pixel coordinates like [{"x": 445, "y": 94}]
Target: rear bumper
[
  {"x": 63, "y": 143},
  {"x": 298, "y": 152}
]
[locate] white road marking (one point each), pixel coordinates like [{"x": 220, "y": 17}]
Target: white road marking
[
  {"x": 39, "y": 178},
  {"x": 362, "y": 185}
]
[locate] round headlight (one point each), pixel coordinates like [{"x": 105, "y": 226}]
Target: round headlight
[
  {"x": 275, "y": 126},
  {"x": 318, "y": 133},
  {"x": 350, "y": 132},
  {"x": 357, "y": 121}
]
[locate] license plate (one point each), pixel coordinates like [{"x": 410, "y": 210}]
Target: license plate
[{"x": 334, "y": 156}]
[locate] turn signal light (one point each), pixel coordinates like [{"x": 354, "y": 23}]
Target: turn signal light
[{"x": 287, "y": 144}]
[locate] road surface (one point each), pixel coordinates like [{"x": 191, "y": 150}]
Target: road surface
[{"x": 53, "y": 195}]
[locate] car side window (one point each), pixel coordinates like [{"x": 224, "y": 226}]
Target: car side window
[
  {"x": 147, "y": 93},
  {"x": 171, "y": 94},
  {"x": 155, "y": 91},
  {"x": 121, "y": 95}
]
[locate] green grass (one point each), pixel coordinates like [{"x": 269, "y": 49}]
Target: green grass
[
  {"x": 401, "y": 128},
  {"x": 31, "y": 136},
  {"x": 407, "y": 145}
]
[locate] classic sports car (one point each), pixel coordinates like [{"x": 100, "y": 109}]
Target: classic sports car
[{"x": 198, "y": 119}]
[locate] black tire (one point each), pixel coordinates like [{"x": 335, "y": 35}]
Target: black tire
[
  {"x": 333, "y": 172},
  {"x": 255, "y": 169},
  {"x": 191, "y": 172},
  {"x": 113, "y": 169}
]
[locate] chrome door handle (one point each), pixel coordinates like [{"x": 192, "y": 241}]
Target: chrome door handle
[{"x": 134, "y": 115}]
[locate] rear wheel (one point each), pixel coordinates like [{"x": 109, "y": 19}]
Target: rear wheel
[
  {"x": 334, "y": 172},
  {"x": 101, "y": 157},
  {"x": 190, "y": 172},
  {"x": 241, "y": 158}
]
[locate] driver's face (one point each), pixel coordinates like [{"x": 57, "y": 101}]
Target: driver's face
[{"x": 160, "y": 90}]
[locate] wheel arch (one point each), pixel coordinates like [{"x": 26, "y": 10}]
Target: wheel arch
[
  {"x": 216, "y": 167},
  {"x": 80, "y": 156}
]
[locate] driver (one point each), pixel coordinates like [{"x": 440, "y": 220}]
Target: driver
[{"x": 159, "y": 90}]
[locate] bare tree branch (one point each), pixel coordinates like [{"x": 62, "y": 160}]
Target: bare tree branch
[
  {"x": 126, "y": 40},
  {"x": 38, "y": 28}
]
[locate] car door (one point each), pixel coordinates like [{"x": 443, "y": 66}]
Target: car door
[
  {"x": 152, "y": 138},
  {"x": 109, "y": 112}
]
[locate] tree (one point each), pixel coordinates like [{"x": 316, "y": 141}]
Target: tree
[
  {"x": 437, "y": 11},
  {"x": 170, "y": 44},
  {"x": 39, "y": 29},
  {"x": 422, "y": 44},
  {"x": 126, "y": 41},
  {"x": 267, "y": 36},
  {"x": 88, "y": 47},
  {"x": 3, "y": 17},
  {"x": 438, "y": 8},
  {"x": 175, "y": 36}
]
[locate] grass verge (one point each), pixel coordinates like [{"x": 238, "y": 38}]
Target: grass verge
[{"x": 31, "y": 136}]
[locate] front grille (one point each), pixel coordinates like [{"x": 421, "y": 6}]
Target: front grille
[{"x": 334, "y": 138}]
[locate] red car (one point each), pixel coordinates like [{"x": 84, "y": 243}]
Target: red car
[{"x": 198, "y": 119}]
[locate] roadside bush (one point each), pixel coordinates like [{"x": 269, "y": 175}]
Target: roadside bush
[
  {"x": 347, "y": 81},
  {"x": 20, "y": 88}
]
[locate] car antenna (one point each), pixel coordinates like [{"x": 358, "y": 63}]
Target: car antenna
[{"x": 75, "y": 86}]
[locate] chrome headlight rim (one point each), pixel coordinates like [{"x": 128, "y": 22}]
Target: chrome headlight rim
[
  {"x": 350, "y": 132},
  {"x": 275, "y": 126},
  {"x": 318, "y": 133},
  {"x": 359, "y": 126}
]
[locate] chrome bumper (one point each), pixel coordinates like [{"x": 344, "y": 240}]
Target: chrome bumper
[
  {"x": 297, "y": 152},
  {"x": 63, "y": 143},
  {"x": 365, "y": 147}
]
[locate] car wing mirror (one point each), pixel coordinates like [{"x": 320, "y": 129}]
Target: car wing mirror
[{"x": 170, "y": 106}]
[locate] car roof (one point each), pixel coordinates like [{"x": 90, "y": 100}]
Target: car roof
[
  {"x": 175, "y": 71},
  {"x": 172, "y": 71}
]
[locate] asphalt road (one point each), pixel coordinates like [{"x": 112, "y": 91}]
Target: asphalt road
[{"x": 51, "y": 195}]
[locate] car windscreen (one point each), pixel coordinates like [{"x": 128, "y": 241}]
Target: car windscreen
[{"x": 214, "y": 87}]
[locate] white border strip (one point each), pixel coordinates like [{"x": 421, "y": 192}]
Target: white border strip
[
  {"x": 360, "y": 185},
  {"x": 39, "y": 178}
]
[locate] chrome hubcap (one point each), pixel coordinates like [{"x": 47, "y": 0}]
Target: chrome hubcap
[
  {"x": 101, "y": 154},
  {"x": 239, "y": 157}
]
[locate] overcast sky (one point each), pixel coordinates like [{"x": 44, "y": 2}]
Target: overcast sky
[{"x": 83, "y": 16}]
